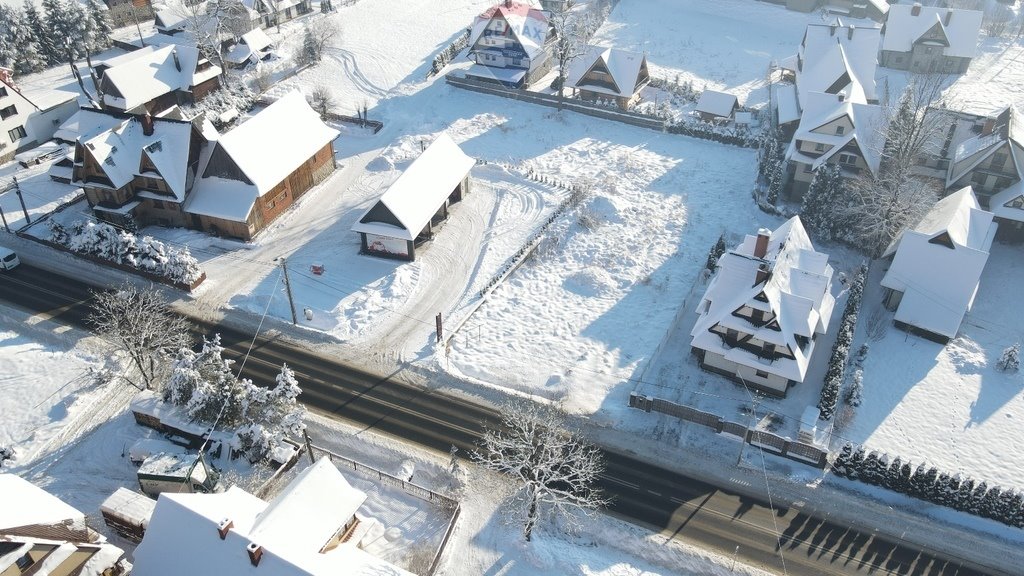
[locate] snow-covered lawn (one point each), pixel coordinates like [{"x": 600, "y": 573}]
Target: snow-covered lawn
[
  {"x": 40, "y": 194},
  {"x": 993, "y": 80},
  {"x": 947, "y": 405}
]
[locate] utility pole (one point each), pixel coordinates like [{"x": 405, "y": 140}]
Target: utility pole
[
  {"x": 4, "y": 217},
  {"x": 17, "y": 190},
  {"x": 288, "y": 289}
]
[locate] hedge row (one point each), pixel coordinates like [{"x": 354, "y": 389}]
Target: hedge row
[{"x": 841, "y": 349}]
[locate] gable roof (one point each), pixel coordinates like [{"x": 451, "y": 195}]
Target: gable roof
[
  {"x": 999, "y": 203},
  {"x": 867, "y": 134},
  {"x": 419, "y": 191},
  {"x": 276, "y": 141},
  {"x": 1006, "y": 128},
  {"x": 624, "y": 68},
  {"x": 120, "y": 150},
  {"x": 956, "y": 234},
  {"x": 527, "y": 24},
  {"x": 796, "y": 288},
  {"x": 960, "y": 28},
  {"x": 831, "y": 52},
  {"x": 251, "y": 43},
  {"x": 25, "y": 504},
  {"x": 717, "y": 103},
  {"x": 153, "y": 73},
  {"x": 289, "y": 547}
]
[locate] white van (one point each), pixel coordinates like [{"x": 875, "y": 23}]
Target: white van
[{"x": 8, "y": 259}]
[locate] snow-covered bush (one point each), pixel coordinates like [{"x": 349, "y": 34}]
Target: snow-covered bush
[
  {"x": 202, "y": 383},
  {"x": 715, "y": 253},
  {"x": 854, "y": 395},
  {"x": 1009, "y": 361},
  {"x": 713, "y": 132},
  {"x": 6, "y": 453},
  {"x": 123, "y": 247}
]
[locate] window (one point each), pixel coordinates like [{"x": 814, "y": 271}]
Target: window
[
  {"x": 6, "y": 113},
  {"x": 942, "y": 164},
  {"x": 761, "y": 373},
  {"x": 998, "y": 159},
  {"x": 24, "y": 562},
  {"x": 768, "y": 349},
  {"x": 840, "y": 130},
  {"x": 1017, "y": 202},
  {"x": 16, "y": 133},
  {"x": 731, "y": 335},
  {"x": 979, "y": 178},
  {"x": 1002, "y": 183},
  {"x": 848, "y": 159},
  {"x": 819, "y": 147},
  {"x": 3, "y": 91},
  {"x": 807, "y": 168}
]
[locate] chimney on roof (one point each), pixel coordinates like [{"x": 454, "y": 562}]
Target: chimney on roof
[
  {"x": 255, "y": 553},
  {"x": 841, "y": 96},
  {"x": 225, "y": 525},
  {"x": 989, "y": 127},
  {"x": 147, "y": 124},
  {"x": 915, "y": 10},
  {"x": 949, "y": 16},
  {"x": 832, "y": 29},
  {"x": 762, "y": 274},
  {"x": 177, "y": 63},
  {"x": 761, "y": 244},
  {"x": 849, "y": 31}
]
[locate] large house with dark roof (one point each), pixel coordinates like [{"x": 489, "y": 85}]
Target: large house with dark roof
[
  {"x": 153, "y": 79},
  {"x": 761, "y": 315}
]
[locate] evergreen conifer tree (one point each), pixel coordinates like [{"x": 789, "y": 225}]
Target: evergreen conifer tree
[
  {"x": 855, "y": 470},
  {"x": 964, "y": 495},
  {"x": 101, "y": 27},
  {"x": 818, "y": 209},
  {"x": 40, "y": 36},
  {"x": 991, "y": 504},
  {"x": 891, "y": 479},
  {"x": 975, "y": 503},
  {"x": 947, "y": 487},
  {"x": 872, "y": 471},
  {"x": 843, "y": 460},
  {"x": 58, "y": 18},
  {"x": 1013, "y": 508},
  {"x": 906, "y": 475}
]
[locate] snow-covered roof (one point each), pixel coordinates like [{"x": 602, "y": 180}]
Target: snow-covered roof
[
  {"x": 821, "y": 109},
  {"x": 503, "y": 75},
  {"x": 310, "y": 509},
  {"x": 1006, "y": 127},
  {"x": 795, "y": 280},
  {"x": 624, "y": 67},
  {"x": 222, "y": 198},
  {"x": 527, "y": 25},
  {"x": 420, "y": 190},
  {"x": 121, "y": 150},
  {"x": 129, "y": 505},
  {"x": 955, "y": 235},
  {"x": 276, "y": 141},
  {"x": 87, "y": 123},
  {"x": 52, "y": 557},
  {"x": 786, "y": 103},
  {"x": 287, "y": 531},
  {"x": 252, "y": 42},
  {"x": 1009, "y": 204},
  {"x": 24, "y": 504},
  {"x": 43, "y": 99},
  {"x": 907, "y": 23},
  {"x": 717, "y": 103},
  {"x": 170, "y": 16},
  {"x": 173, "y": 465},
  {"x": 153, "y": 73},
  {"x": 837, "y": 57}
]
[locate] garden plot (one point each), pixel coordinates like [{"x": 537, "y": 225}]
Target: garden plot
[{"x": 946, "y": 405}]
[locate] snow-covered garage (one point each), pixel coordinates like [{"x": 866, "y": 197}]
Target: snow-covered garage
[{"x": 406, "y": 214}]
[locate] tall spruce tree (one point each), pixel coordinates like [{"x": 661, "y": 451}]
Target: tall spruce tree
[
  {"x": 891, "y": 478},
  {"x": 843, "y": 460},
  {"x": 41, "y": 35},
  {"x": 991, "y": 504},
  {"x": 856, "y": 467},
  {"x": 872, "y": 472},
  {"x": 964, "y": 495},
  {"x": 818, "y": 211},
  {"x": 947, "y": 487},
  {"x": 100, "y": 26}
]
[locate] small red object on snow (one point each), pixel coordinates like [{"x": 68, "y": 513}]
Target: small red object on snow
[{"x": 317, "y": 269}]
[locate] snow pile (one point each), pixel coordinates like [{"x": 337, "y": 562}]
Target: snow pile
[{"x": 122, "y": 247}]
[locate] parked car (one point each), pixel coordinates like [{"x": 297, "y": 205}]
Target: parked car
[
  {"x": 8, "y": 259},
  {"x": 42, "y": 153}
]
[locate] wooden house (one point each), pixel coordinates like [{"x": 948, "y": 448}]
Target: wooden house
[
  {"x": 259, "y": 169},
  {"x": 407, "y": 214},
  {"x": 609, "y": 74},
  {"x": 153, "y": 79}
]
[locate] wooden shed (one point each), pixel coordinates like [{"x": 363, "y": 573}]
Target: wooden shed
[
  {"x": 128, "y": 513},
  {"x": 407, "y": 214}
]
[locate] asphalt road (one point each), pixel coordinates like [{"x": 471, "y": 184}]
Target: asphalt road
[{"x": 785, "y": 540}]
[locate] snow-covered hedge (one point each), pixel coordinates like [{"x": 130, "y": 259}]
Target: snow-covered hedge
[
  {"x": 450, "y": 52},
  {"x": 714, "y": 133},
  {"x": 841, "y": 349},
  {"x": 122, "y": 247},
  {"x": 954, "y": 491}
]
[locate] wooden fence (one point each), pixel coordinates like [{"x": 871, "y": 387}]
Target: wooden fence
[{"x": 782, "y": 446}]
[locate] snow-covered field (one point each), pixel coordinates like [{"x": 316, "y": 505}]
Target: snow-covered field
[{"x": 948, "y": 406}]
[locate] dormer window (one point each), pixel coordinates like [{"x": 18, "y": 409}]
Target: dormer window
[
  {"x": 819, "y": 147},
  {"x": 840, "y": 130}
]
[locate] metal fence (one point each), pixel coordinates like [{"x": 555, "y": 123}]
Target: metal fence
[{"x": 806, "y": 453}]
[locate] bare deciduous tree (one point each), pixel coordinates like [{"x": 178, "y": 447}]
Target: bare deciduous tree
[
  {"x": 211, "y": 24},
  {"x": 570, "y": 41},
  {"x": 554, "y": 465},
  {"x": 320, "y": 35},
  {"x": 140, "y": 324},
  {"x": 322, "y": 100}
]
